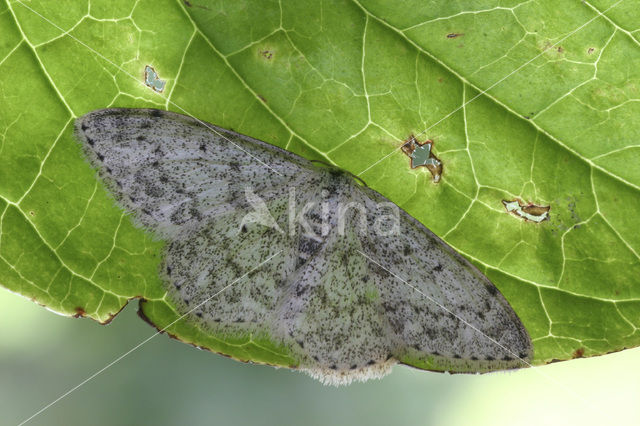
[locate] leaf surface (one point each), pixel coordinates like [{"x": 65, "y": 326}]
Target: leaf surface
[{"x": 526, "y": 100}]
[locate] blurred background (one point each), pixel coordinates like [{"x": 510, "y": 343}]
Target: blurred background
[{"x": 165, "y": 382}]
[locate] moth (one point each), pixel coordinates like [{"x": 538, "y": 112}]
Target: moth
[{"x": 354, "y": 284}]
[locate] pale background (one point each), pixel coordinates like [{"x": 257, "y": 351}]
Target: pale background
[{"x": 165, "y": 382}]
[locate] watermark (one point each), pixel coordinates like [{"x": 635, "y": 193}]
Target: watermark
[{"x": 315, "y": 219}]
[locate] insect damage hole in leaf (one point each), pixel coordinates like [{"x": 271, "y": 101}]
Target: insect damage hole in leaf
[
  {"x": 527, "y": 211},
  {"x": 266, "y": 53},
  {"x": 152, "y": 79},
  {"x": 421, "y": 155}
]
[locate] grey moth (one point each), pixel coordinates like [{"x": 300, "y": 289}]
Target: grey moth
[{"x": 353, "y": 284}]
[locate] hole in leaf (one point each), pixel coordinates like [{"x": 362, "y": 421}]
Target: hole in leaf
[
  {"x": 527, "y": 211},
  {"x": 421, "y": 155},
  {"x": 152, "y": 79}
]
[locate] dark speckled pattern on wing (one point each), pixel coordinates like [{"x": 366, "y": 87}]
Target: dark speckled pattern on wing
[{"x": 344, "y": 316}]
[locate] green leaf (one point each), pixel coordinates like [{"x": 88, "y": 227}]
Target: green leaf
[{"x": 524, "y": 100}]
